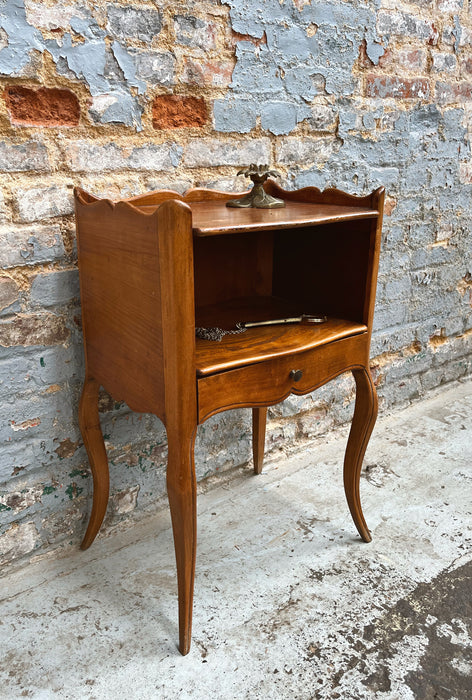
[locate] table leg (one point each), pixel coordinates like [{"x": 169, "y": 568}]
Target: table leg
[
  {"x": 182, "y": 493},
  {"x": 89, "y": 422},
  {"x": 365, "y": 414},
  {"x": 259, "y": 420}
]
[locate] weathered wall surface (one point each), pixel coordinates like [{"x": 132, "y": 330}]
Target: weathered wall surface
[{"x": 126, "y": 97}]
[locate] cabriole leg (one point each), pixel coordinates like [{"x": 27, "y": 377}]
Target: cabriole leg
[
  {"x": 181, "y": 490},
  {"x": 259, "y": 420},
  {"x": 89, "y": 422},
  {"x": 365, "y": 414}
]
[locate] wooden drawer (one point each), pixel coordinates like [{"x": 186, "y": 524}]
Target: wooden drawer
[{"x": 269, "y": 382}]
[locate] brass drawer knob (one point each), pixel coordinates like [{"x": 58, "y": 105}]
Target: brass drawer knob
[{"x": 296, "y": 374}]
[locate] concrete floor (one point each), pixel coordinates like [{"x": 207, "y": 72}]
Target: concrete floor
[{"x": 289, "y": 603}]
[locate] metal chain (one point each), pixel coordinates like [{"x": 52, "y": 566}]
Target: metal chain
[{"x": 217, "y": 333}]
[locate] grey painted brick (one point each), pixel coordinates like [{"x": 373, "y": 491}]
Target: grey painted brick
[
  {"x": 125, "y": 22},
  {"x": 38, "y": 369},
  {"x": 391, "y": 340},
  {"x": 403, "y": 24},
  {"x": 323, "y": 117},
  {"x": 278, "y": 117},
  {"x": 374, "y": 51},
  {"x": 43, "y": 202},
  {"x": 210, "y": 152},
  {"x": 409, "y": 366},
  {"x": 89, "y": 157},
  {"x": 445, "y": 177},
  {"x": 179, "y": 186},
  {"x": 303, "y": 84},
  {"x": 453, "y": 120},
  {"x": 49, "y": 414},
  {"x": 9, "y": 293},
  {"x": 445, "y": 373},
  {"x": 235, "y": 115},
  {"x": 309, "y": 178},
  {"x": 155, "y": 67},
  {"x": 116, "y": 107},
  {"x": 28, "y": 245},
  {"x": 18, "y": 540},
  {"x": 385, "y": 177},
  {"x": 347, "y": 119},
  {"x": 431, "y": 303},
  {"x": 398, "y": 288},
  {"x": 290, "y": 40},
  {"x": 223, "y": 441},
  {"x": 194, "y": 32},
  {"x": 25, "y": 156},
  {"x": 368, "y": 121},
  {"x": 54, "y": 288},
  {"x": 416, "y": 174},
  {"x": 228, "y": 184},
  {"x": 4, "y": 212},
  {"x": 400, "y": 393},
  {"x": 444, "y": 62},
  {"x": 425, "y": 120},
  {"x": 247, "y": 17},
  {"x": 256, "y": 73},
  {"x": 389, "y": 315},
  {"x": 293, "y": 150},
  {"x": 428, "y": 256}
]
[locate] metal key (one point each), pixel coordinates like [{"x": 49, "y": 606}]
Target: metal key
[{"x": 304, "y": 318}]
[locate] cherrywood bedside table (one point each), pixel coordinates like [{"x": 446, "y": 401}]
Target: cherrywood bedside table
[{"x": 154, "y": 267}]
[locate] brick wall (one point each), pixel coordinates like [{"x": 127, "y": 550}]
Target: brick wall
[{"x": 125, "y": 97}]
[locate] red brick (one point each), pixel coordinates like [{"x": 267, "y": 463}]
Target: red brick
[
  {"x": 42, "y": 107},
  {"x": 178, "y": 111},
  {"x": 236, "y": 36},
  {"x": 392, "y": 86}
]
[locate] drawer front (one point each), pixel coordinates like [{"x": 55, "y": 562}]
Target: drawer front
[{"x": 267, "y": 383}]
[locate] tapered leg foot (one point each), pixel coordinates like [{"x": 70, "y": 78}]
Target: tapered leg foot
[
  {"x": 89, "y": 423},
  {"x": 365, "y": 414},
  {"x": 259, "y": 420},
  {"x": 181, "y": 490}
]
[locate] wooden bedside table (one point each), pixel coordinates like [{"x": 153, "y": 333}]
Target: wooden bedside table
[{"x": 154, "y": 267}]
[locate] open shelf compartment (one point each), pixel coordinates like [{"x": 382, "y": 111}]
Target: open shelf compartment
[{"x": 263, "y": 342}]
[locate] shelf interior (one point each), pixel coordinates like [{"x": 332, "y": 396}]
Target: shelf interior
[{"x": 263, "y": 342}]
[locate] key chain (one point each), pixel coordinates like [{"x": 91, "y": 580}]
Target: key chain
[{"x": 219, "y": 333}]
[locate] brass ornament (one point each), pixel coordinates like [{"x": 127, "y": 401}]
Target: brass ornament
[{"x": 257, "y": 197}]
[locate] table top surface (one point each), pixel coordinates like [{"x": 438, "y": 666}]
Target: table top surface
[{"x": 213, "y": 218}]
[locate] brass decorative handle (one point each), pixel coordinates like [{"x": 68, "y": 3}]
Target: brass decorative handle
[{"x": 296, "y": 374}]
